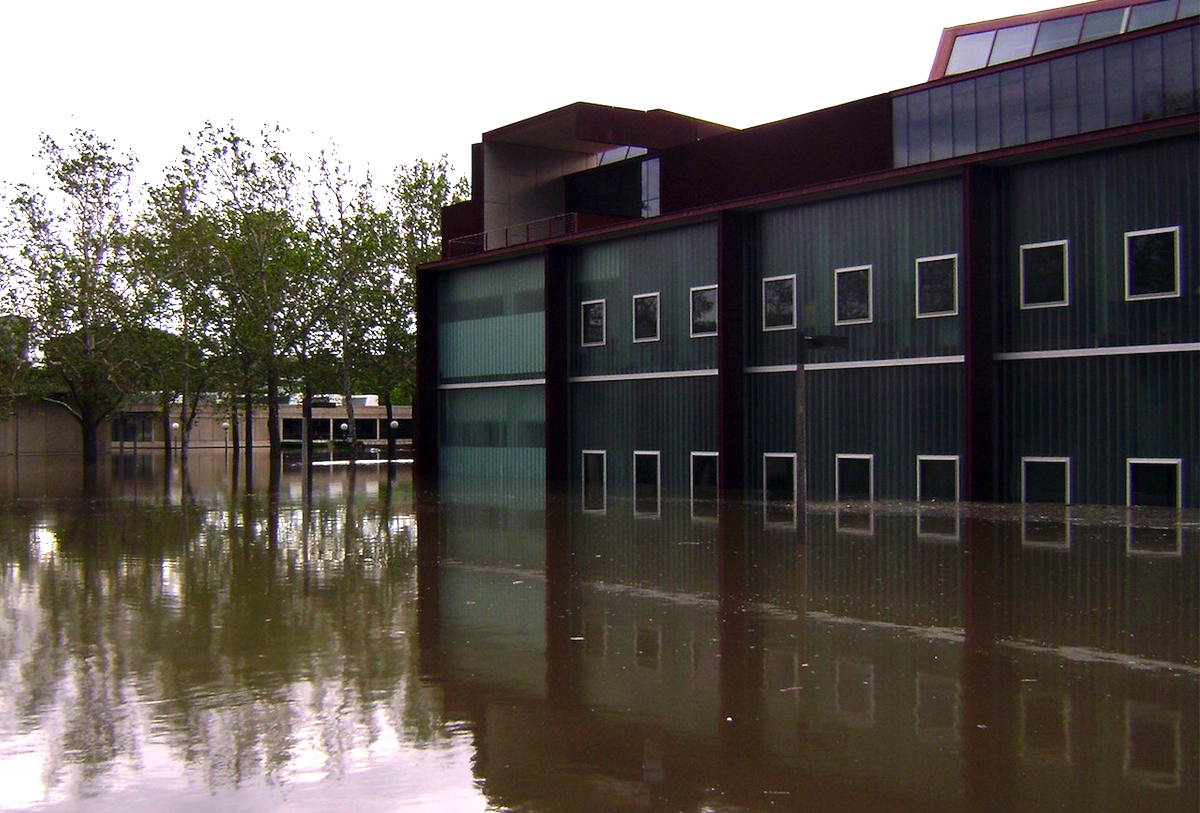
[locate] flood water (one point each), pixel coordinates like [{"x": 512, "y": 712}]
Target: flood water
[{"x": 200, "y": 643}]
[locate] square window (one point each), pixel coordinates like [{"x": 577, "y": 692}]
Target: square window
[
  {"x": 779, "y": 487},
  {"x": 852, "y": 295},
  {"x": 645, "y": 483},
  {"x": 705, "y": 495},
  {"x": 1154, "y": 481},
  {"x": 937, "y": 478},
  {"x": 595, "y": 480},
  {"x": 592, "y": 323},
  {"x": 1046, "y": 479},
  {"x": 1152, "y": 263},
  {"x": 937, "y": 286},
  {"x": 779, "y": 303},
  {"x": 855, "y": 476},
  {"x": 704, "y": 311},
  {"x": 645, "y": 318},
  {"x": 1044, "y": 275}
]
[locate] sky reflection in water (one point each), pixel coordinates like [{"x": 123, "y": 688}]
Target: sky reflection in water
[{"x": 189, "y": 646}]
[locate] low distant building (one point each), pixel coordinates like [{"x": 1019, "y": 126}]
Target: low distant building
[{"x": 1009, "y": 250}]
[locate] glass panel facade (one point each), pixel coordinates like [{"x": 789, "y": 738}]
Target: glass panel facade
[
  {"x": 1117, "y": 84},
  {"x": 491, "y": 322},
  {"x": 1013, "y": 43}
]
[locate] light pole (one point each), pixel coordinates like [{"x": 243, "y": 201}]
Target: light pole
[
  {"x": 225, "y": 429},
  {"x": 174, "y": 430}
]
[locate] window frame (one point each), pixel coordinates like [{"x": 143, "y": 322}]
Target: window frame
[
  {"x": 791, "y": 456},
  {"x": 792, "y": 326},
  {"x": 692, "y": 483},
  {"x": 603, "y": 453},
  {"x": 917, "y": 287},
  {"x": 603, "y": 303},
  {"x": 657, "y": 317},
  {"x": 692, "y": 311},
  {"x": 1174, "y": 294},
  {"x": 837, "y": 475},
  {"x": 870, "y": 269},
  {"x": 1065, "y": 302},
  {"x": 657, "y": 456},
  {"x": 1177, "y": 462},
  {"x": 943, "y": 458},
  {"x": 1066, "y": 461}
]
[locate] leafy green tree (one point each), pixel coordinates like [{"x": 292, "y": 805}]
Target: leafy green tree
[{"x": 67, "y": 273}]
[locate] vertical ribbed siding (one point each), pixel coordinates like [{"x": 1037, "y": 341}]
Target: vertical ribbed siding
[
  {"x": 893, "y": 413},
  {"x": 670, "y": 263},
  {"x": 1092, "y": 201},
  {"x": 490, "y": 321},
  {"x": 675, "y": 416},
  {"x": 1099, "y": 411},
  {"x": 889, "y": 230}
]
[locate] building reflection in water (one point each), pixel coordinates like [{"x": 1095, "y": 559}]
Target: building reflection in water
[
  {"x": 900, "y": 657},
  {"x": 339, "y": 638}
]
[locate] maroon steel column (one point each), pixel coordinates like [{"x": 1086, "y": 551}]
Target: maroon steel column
[
  {"x": 425, "y": 399},
  {"x": 733, "y": 233},
  {"x": 978, "y": 278},
  {"x": 558, "y": 313}
]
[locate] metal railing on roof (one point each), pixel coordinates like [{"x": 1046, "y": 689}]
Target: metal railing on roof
[{"x": 515, "y": 235}]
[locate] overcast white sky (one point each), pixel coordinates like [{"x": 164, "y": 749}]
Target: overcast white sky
[{"x": 392, "y": 82}]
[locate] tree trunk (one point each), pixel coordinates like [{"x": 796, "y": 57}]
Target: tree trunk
[
  {"x": 306, "y": 426},
  {"x": 90, "y": 428},
  {"x": 273, "y": 429}
]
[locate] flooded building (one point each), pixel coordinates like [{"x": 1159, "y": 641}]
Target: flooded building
[{"x": 983, "y": 287}]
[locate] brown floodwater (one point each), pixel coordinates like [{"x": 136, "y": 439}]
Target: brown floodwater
[{"x": 341, "y": 641}]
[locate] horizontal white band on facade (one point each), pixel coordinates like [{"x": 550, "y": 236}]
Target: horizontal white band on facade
[
  {"x": 592, "y": 379},
  {"x": 856, "y": 365},
  {"x": 479, "y": 385},
  {"x": 1088, "y": 352}
]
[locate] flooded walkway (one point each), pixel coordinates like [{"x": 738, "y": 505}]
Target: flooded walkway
[{"x": 339, "y": 640}]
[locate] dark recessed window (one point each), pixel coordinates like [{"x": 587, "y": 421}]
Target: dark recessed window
[
  {"x": 937, "y": 478},
  {"x": 592, "y": 324},
  {"x": 1153, "y": 481},
  {"x": 645, "y": 483},
  {"x": 779, "y": 303},
  {"x": 1152, "y": 263},
  {"x": 855, "y": 477},
  {"x": 704, "y": 311},
  {"x": 704, "y": 484},
  {"x": 1045, "y": 479},
  {"x": 1044, "y": 275},
  {"x": 852, "y": 295},
  {"x": 595, "y": 486},
  {"x": 779, "y": 487},
  {"x": 645, "y": 318},
  {"x": 937, "y": 286}
]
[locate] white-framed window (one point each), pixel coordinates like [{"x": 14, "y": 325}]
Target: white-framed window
[
  {"x": 937, "y": 286},
  {"x": 937, "y": 478},
  {"x": 1152, "y": 263},
  {"x": 593, "y": 329},
  {"x": 645, "y": 317},
  {"x": 704, "y": 310},
  {"x": 779, "y": 303},
  {"x": 852, "y": 295},
  {"x": 779, "y": 487},
  {"x": 646, "y": 483},
  {"x": 595, "y": 480},
  {"x": 705, "y": 484},
  {"x": 938, "y": 707},
  {"x": 1154, "y": 481},
  {"x": 1046, "y": 480},
  {"x": 1045, "y": 726},
  {"x": 855, "y": 476},
  {"x": 1153, "y": 744},
  {"x": 1044, "y": 275}
]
